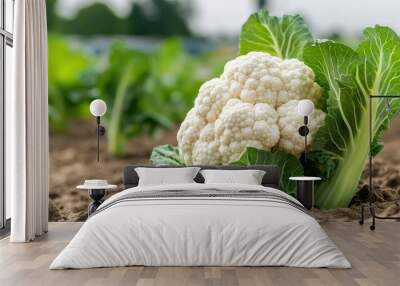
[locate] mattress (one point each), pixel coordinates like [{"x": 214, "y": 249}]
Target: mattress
[{"x": 201, "y": 225}]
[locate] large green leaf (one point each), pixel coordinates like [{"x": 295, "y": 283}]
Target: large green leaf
[
  {"x": 284, "y": 37},
  {"x": 288, "y": 164},
  {"x": 341, "y": 147},
  {"x": 166, "y": 155},
  {"x": 334, "y": 64},
  {"x": 379, "y": 73}
]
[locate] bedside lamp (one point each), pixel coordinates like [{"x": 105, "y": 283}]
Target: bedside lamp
[
  {"x": 305, "y": 108},
  {"x": 98, "y": 108}
]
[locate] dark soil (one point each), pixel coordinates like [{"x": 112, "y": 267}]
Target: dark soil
[
  {"x": 386, "y": 195},
  {"x": 73, "y": 159}
]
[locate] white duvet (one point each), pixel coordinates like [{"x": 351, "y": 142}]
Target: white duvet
[{"x": 200, "y": 231}]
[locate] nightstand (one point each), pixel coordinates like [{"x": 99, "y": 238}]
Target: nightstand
[
  {"x": 97, "y": 190},
  {"x": 305, "y": 190}
]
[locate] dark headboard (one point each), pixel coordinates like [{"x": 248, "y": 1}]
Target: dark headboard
[{"x": 271, "y": 178}]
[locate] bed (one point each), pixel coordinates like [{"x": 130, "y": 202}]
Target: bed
[{"x": 198, "y": 224}]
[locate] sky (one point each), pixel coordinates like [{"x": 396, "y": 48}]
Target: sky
[{"x": 223, "y": 17}]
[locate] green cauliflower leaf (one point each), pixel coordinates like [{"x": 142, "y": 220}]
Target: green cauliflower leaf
[{"x": 284, "y": 37}]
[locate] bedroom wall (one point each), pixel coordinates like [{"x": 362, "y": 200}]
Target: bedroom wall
[{"x": 147, "y": 61}]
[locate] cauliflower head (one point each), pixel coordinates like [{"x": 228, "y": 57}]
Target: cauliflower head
[{"x": 253, "y": 103}]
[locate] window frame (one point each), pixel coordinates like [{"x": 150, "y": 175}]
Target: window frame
[{"x": 6, "y": 39}]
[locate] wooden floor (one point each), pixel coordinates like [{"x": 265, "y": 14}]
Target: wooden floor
[{"x": 375, "y": 257}]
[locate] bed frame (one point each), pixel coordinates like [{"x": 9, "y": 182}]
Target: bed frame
[{"x": 271, "y": 178}]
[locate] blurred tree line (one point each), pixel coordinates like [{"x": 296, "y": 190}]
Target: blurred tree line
[{"x": 150, "y": 18}]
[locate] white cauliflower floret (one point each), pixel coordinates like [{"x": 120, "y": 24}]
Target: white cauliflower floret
[
  {"x": 206, "y": 149},
  {"x": 189, "y": 133},
  {"x": 290, "y": 122},
  {"x": 259, "y": 77},
  {"x": 212, "y": 97},
  {"x": 243, "y": 124},
  {"x": 239, "y": 125},
  {"x": 253, "y": 103}
]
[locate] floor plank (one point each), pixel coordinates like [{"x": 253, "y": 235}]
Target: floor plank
[{"x": 375, "y": 257}]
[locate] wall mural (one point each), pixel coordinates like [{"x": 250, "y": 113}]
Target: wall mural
[
  {"x": 246, "y": 108},
  {"x": 253, "y": 103}
]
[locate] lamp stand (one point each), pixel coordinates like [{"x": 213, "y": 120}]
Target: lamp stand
[
  {"x": 100, "y": 131},
  {"x": 303, "y": 131},
  {"x": 371, "y": 192}
]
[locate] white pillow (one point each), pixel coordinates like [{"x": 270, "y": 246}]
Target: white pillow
[
  {"x": 165, "y": 176},
  {"x": 248, "y": 177}
]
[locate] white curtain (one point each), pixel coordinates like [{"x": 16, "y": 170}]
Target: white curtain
[{"x": 27, "y": 143}]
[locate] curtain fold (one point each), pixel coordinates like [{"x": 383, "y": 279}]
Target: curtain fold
[{"x": 27, "y": 141}]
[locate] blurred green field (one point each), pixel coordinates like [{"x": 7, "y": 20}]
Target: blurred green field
[
  {"x": 147, "y": 66},
  {"x": 145, "y": 91}
]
